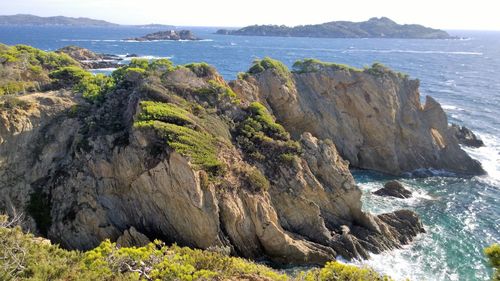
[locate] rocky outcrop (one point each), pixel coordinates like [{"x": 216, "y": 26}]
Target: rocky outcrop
[
  {"x": 465, "y": 136},
  {"x": 89, "y": 59},
  {"x": 393, "y": 189},
  {"x": 82, "y": 173},
  {"x": 374, "y": 116},
  {"x": 167, "y": 35}
]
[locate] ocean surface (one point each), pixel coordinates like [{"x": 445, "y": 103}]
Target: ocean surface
[{"x": 461, "y": 215}]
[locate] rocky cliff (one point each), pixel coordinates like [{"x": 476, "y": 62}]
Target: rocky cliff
[
  {"x": 173, "y": 153},
  {"x": 374, "y": 116}
]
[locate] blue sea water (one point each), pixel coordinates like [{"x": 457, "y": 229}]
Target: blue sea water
[{"x": 461, "y": 215}]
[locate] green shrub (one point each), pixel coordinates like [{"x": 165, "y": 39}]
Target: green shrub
[
  {"x": 201, "y": 69},
  {"x": 24, "y": 257},
  {"x": 261, "y": 137},
  {"x": 139, "y": 63},
  {"x": 256, "y": 179},
  {"x": 336, "y": 271},
  {"x": 493, "y": 254},
  {"x": 200, "y": 147},
  {"x": 69, "y": 76},
  {"x": 314, "y": 65},
  {"x": 165, "y": 112}
]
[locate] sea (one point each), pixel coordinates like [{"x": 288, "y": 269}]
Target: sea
[{"x": 461, "y": 215}]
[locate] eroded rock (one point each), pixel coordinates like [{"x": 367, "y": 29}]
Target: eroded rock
[{"x": 393, "y": 189}]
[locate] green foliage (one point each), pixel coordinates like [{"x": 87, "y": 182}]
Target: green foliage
[
  {"x": 262, "y": 138},
  {"x": 165, "y": 112},
  {"x": 276, "y": 66},
  {"x": 92, "y": 87},
  {"x": 256, "y": 179},
  {"x": 378, "y": 70},
  {"x": 161, "y": 65},
  {"x": 216, "y": 93},
  {"x": 24, "y": 68},
  {"x": 139, "y": 63},
  {"x": 314, "y": 65},
  {"x": 493, "y": 254},
  {"x": 201, "y": 69},
  {"x": 180, "y": 131},
  {"x": 24, "y": 257},
  {"x": 336, "y": 271}
]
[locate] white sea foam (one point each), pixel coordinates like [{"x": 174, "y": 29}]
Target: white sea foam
[
  {"x": 125, "y": 58},
  {"x": 489, "y": 156}
]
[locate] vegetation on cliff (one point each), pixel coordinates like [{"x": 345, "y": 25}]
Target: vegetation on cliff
[
  {"x": 25, "y": 69},
  {"x": 25, "y": 257}
]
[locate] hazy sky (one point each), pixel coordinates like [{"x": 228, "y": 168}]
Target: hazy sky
[{"x": 444, "y": 14}]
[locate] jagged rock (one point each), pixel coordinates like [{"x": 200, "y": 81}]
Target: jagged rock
[
  {"x": 373, "y": 116},
  {"x": 465, "y": 136},
  {"x": 96, "y": 176},
  {"x": 167, "y": 35},
  {"x": 393, "y": 189},
  {"x": 89, "y": 59},
  {"x": 132, "y": 237}
]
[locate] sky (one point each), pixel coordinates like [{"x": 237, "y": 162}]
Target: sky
[{"x": 443, "y": 14}]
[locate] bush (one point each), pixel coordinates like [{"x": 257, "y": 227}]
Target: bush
[
  {"x": 493, "y": 254},
  {"x": 336, "y": 271},
  {"x": 314, "y": 65},
  {"x": 261, "y": 137},
  {"x": 24, "y": 257},
  {"x": 201, "y": 69},
  {"x": 199, "y": 147},
  {"x": 165, "y": 112},
  {"x": 256, "y": 179}
]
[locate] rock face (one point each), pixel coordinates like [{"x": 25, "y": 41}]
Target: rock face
[
  {"x": 393, "y": 189},
  {"x": 83, "y": 173},
  {"x": 465, "y": 136},
  {"x": 374, "y": 116},
  {"x": 89, "y": 59},
  {"x": 167, "y": 35}
]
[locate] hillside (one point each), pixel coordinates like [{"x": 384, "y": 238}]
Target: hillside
[
  {"x": 373, "y": 28},
  {"x": 22, "y": 19}
]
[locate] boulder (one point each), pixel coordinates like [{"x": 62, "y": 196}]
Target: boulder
[
  {"x": 393, "y": 189},
  {"x": 465, "y": 136}
]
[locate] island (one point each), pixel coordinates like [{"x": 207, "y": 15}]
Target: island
[
  {"x": 373, "y": 28},
  {"x": 29, "y": 20},
  {"x": 167, "y": 35}
]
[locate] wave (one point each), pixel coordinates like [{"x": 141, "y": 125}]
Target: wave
[
  {"x": 91, "y": 40},
  {"x": 451, "y": 107},
  {"x": 489, "y": 156},
  {"x": 417, "y": 52},
  {"x": 125, "y": 58}
]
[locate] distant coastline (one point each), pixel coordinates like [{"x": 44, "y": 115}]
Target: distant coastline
[
  {"x": 30, "y": 20},
  {"x": 373, "y": 28}
]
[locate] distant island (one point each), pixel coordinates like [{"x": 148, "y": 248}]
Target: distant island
[
  {"x": 26, "y": 19},
  {"x": 373, "y": 28},
  {"x": 167, "y": 35}
]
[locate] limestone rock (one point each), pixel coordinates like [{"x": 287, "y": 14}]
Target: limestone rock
[
  {"x": 393, "y": 189},
  {"x": 374, "y": 117},
  {"x": 132, "y": 237},
  {"x": 89, "y": 59}
]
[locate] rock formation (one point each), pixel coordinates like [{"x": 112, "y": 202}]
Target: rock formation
[
  {"x": 373, "y": 116},
  {"x": 167, "y": 35},
  {"x": 183, "y": 159},
  {"x": 89, "y": 59},
  {"x": 393, "y": 189},
  {"x": 465, "y": 136}
]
